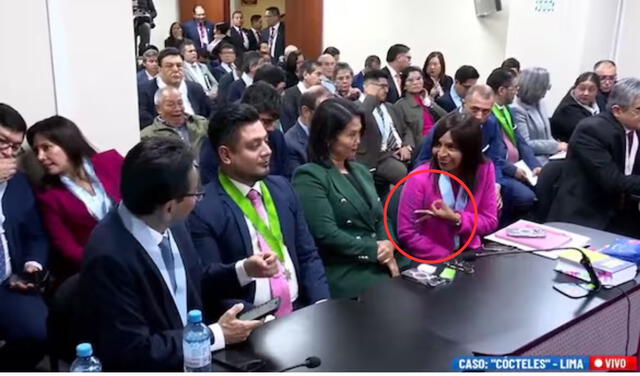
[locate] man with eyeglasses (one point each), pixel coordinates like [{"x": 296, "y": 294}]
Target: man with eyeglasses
[
  {"x": 247, "y": 212},
  {"x": 24, "y": 251},
  {"x": 608, "y": 74},
  {"x": 466, "y": 76},
  {"x": 141, "y": 273}
]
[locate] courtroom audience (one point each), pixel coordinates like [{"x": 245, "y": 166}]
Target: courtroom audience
[
  {"x": 512, "y": 64},
  {"x": 227, "y": 57},
  {"x": 437, "y": 82},
  {"x": 343, "y": 78},
  {"x": 272, "y": 75},
  {"x": 328, "y": 66},
  {"x": 79, "y": 187},
  {"x": 436, "y": 215},
  {"x": 333, "y": 52},
  {"x": 466, "y": 76},
  {"x": 310, "y": 75},
  {"x": 149, "y": 65},
  {"x": 398, "y": 59},
  {"x": 579, "y": 103},
  {"x": 176, "y": 36},
  {"x": 250, "y": 64},
  {"x": 292, "y": 68},
  {"x": 341, "y": 204},
  {"x": 530, "y": 114},
  {"x": 196, "y": 71},
  {"x": 608, "y": 74},
  {"x": 372, "y": 62}
]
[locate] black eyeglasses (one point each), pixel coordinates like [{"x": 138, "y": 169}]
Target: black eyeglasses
[{"x": 16, "y": 148}]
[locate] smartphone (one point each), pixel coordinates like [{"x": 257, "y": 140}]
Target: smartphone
[
  {"x": 258, "y": 312},
  {"x": 526, "y": 232},
  {"x": 238, "y": 360}
]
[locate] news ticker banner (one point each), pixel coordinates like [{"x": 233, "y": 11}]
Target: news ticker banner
[{"x": 545, "y": 363}]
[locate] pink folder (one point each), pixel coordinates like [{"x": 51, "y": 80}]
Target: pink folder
[{"x": 554, "y": 239}]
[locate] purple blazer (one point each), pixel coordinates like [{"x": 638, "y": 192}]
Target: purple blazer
[
  {"x": 67, "y": 219},
  {"x": 433, "y": 238}
]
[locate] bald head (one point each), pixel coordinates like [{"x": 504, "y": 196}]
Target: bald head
[
  {"x": 328, "y": 64},
  {"x": 478, "y": 103}
]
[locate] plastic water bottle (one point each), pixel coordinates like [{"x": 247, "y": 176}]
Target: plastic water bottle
[
  {"x": 196, "y": 344},
  {"x": 85, "y": 361}
]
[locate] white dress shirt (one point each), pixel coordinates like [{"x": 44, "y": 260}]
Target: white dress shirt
[
  {"x": 98, "y": 204},
  {"x": 230, "y": 69},
  {"x": 273, "y": 31},
  {"x": 184, "y": 91},
  {"x": 630, "y": 151},
  {"x": 386, "y": 126},
  {"x": 393, "y": 78},
  {"x": 248, "y": 81},
  {"x": 150, "y": 239},
  {"x": 263, "y": 288},
  {"x": 245, "y": 39}
]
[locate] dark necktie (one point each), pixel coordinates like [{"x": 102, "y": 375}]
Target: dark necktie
[
  {"x": 629, "y": 142},
  {"x": 169, "y": 263},
  {"x": 3, "y": 263}
]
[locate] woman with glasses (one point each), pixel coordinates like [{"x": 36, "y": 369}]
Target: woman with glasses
[
  {"x": 436, "y": 215},
  {"x": 78, "y": 188},
  {"x": 530, "y": 115},
  {"x": 579, "y": 103},
  {"x": 438, "y": 83}
]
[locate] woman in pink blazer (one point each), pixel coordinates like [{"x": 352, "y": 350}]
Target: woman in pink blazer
[
  {"x": 78, "y": 189},
  {"x": 436, "y": 215}
]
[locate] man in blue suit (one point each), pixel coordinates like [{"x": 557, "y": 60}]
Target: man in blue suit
[
  {"x": 245, "y": 212},
  {"x": 171, "y": 73},
  {"x": 199, "y": 29},
  {"x": 250, "y": 64},
  {"x": 466, "y": 76},
  {"x": 141, "y": 274},
  {"x": 24, "y": 251},
  {"x": 150, "y": 66},
  {"x": 297, "y": 137}
]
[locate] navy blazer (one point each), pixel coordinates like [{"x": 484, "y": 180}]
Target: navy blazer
[
  {"x": 23, "y": 229},
  {"x": 236, "y": 90},
  {"x": 190, "y": 29},
  {"x": 220, "y": 234},
  {"x": 147, "y": 109},
  {"x": 127, "y": 312},
  {"x": 218, "y": 72},
  {"x": 297, "y": 141},
  {"x": 279, "y": 50},
  {"x": 446, "y": 102},
  {"x": 237, "y": 40},
  {"x": 393, "y": 95},
  {"x": 492, "y": 146},
  {"x": 358, "y": 81},
  {"x": 142, "y": 76},
  {"x": 209, "y": 161},
  {"x": 290, "y": 107}
]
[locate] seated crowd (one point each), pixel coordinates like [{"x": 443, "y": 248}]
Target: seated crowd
[{"x": 261, "y": 174}]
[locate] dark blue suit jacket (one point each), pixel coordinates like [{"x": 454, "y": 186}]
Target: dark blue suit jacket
[
  {"x": 142, "y": 77},
  {"x": 127, "y": 312},
  {"x": 190, "y": 29},
  {"x": 492, "y": 146},
  {"x": 358, "y": 81},
  {"x": 236, "y": 90},
  {"x": 26, "y": 237},
  {"x": 446, "y": 102},
  {"x": 297, "y": 141},
  {"x": 279, "y": 154},
  {"x": 147, "y": 108},
  {"x": 220, "y": 234},
  {"x": 218, "y": 72}
]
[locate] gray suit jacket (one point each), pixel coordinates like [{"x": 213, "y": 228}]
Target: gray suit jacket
[
  {"x": 533, "y": 125},
  {"x": 190, "y": 75},
  {"x": 411, "y": 113},
  {"x": 297, "y": 141}
]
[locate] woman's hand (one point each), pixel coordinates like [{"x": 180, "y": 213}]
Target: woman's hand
[
  {"x": 385, "y": 251},
  {"x": 439, "y": 209}
]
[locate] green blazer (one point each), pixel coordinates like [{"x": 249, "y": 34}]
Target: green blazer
[
  {"x": 345, "y": 225},
  {"x": 198, "y": 127}
]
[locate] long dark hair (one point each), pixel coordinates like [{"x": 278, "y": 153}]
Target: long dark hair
[
  {"x": 66, "y": 134},
  {"x": 467, "y": 137},
  {"x": 330, "y": 118},
  {"x": 171, "y": 37},
  {"x": 428, "y": 84},
  {"x": 587, "y": 76},
  {"x": 405, "y": 74}
]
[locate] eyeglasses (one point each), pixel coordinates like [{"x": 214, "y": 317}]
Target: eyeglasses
[
  {"x": 198, "y": 195},
  {"x": 16, "y": 148},
  {"x": 608, "y": 78}
]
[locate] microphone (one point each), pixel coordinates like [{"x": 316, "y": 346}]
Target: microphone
[
  {"x": 310, "y": 362},
  {"x": 584, "y": 261}
]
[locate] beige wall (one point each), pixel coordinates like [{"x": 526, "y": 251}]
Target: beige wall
[{"x": 259, "y": 8}]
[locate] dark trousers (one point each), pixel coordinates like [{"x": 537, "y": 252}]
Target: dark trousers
[
  {"x": 23, "y": 328},
  {"x": 142, "y": 30},
  {"x": 517, "y": 199}
]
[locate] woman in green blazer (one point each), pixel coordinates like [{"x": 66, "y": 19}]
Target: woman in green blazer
[{"x": 341, "y": 204}]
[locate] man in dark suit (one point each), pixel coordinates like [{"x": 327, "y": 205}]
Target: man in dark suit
[
  {"x": 24, "y": 251},
  {"x": 238, "y": 34},
  {"x": 199, "y": 30},
  {"x": 608, "y": 74},
  {"x": 274, "y": 33},
  {"x": 372, "y": 62},
  {"x": 231, "y": 223},
  {"x": 398, "y": 58},
  {"x": 250, "y": 64},
  {"x": 297, "y": 138},
  {"x": 141, "y": 274},
  {"x": 311, "y": 76},
  {"x": 171, "y": 74},
  {"x": 602, "y": 171},
  {"x": 382, "y": 148},
  {"x": 255, "y": 33},
  {"x": 227, "y": 64},
  {"x": 466, "y": 76},
  {"x": 149, "y": 65}
]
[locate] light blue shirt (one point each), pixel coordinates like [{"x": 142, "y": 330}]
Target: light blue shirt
[
  {"x": 98, "y": 204},
  {"x": 150, "y": 240},
  {"x": 304, "y": 127},
  {"x": 455, "y": 97}
]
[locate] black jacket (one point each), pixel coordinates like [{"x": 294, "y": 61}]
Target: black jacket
[
  {"x": 593, "y": 187},
  {"x": 566, "y": 116}
]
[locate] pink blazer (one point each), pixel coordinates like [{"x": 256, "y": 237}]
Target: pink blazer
[
  {"x": 67, "y": 219},
  {"x": 434, "y": 238}
]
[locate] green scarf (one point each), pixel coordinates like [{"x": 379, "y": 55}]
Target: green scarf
[{"x": 504, "y": 118}]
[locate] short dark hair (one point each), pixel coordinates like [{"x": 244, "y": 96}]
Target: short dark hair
[
  {"x": 236, "y": 12},
  {"x": 226, "y": 46},
  {"x": 375, "y": 74},
  {"x": 226, "y": 123},
  {"x": 270, "y": 74},
  {"x": 155, "y": 171},
  {"x": 331, "y": 51},
  {"x": 291, "y": 64},
  {"x": 468, "y": 139},
  {"x": 342, "y": 66},
  {"x": 66, "y": 134},
  {"x": 600, "y": 62},
  {"x": 308, "y": 67},
  {"x": 255, "y": 17},
  {"x": 250, "y": 59},
  {"x": 330, "y": 118},
  {"x": 500, "y": 77},
  {"x": 587, "y": 76},
  {"x": 405, "y": 74},
  {"x": 222, "y": 27},
  {"x": 186, "y": 42},
  {"x": 511, "y": 63},
  {"x": 311, "y": 96},
  {"x": 169, "y": 51},
  {"x": 396, "y": 50},
  {"x": 263, "y": 97},
  {"x": 11, "y": 119},
  {"x": 368, "y": 62},
  {"x": 465, "y": 73},
  {"x": 273, "y": 10}
]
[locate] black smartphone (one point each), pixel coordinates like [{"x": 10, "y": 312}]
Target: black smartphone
[
  {"x": 238, "y": 361},
  {"x": 261, "y": 310}
]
